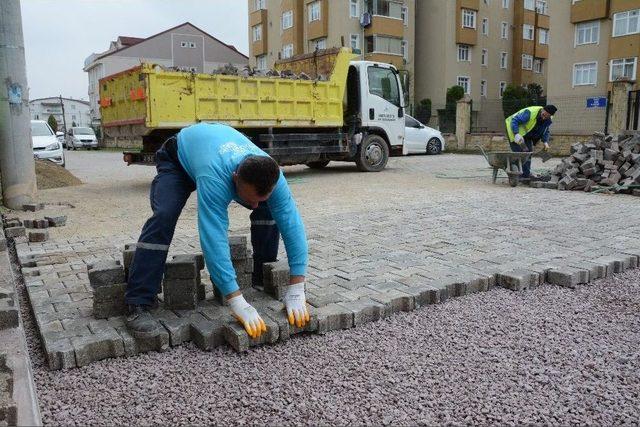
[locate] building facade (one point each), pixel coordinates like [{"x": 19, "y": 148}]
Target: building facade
[
  {"x": 279, "y": 29},
  {"x": 598, "y": 41},
  {"x": 483, "y": 46},
  {"x": 184, "y": 47},
  {"x": 76, "y": 111}
]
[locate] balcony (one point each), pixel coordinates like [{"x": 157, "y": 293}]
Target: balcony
[
  {"x": 384, "y": 25},
  {"x": 589, "y": 10}
]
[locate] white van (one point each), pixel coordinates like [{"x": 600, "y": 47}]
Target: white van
[{"x": 79, "y": 137}]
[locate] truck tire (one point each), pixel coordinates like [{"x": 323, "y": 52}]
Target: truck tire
[
  {"x": 321, "y": 164},
  {"x": 373, "y": 154}
]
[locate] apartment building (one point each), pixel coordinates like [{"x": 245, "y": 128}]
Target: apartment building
[
  {"x": 76, "y": 111},
  {"x": 279, "y": 29},
  {"x": 483, "y": 46}
]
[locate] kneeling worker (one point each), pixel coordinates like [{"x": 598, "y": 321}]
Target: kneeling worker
[
  {"x": 221, "y": 165},
  {"x": 526, "y": 127}
]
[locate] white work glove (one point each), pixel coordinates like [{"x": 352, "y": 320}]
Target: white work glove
[
  {"x": 296, "y": 305},
  {"x": 546, "y": 146},
  {"x": 247, "y": 315},
  {"x": 519, "y": 139}
]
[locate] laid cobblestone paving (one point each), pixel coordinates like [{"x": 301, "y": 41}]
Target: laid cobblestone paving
[{"x": 362, "y": 267}]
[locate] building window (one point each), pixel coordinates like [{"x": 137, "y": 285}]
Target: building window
[
  {"x": 73, "y": 107},
  {"x": 464, "y": 53},
  {"x": 504, "y": 30},
  {"x": 527, "y": 62},
  {"x": 287, "y": 51},
  {"x": 355, "y": 41},
  {"x": 625, "y": 23},
  {"x": 505, "y": 4},
  {"x": 530, "y": 4},
  {"x": 314, "y": 11},
  {"x": 404, "y": 14},
  {"x": 542, "y": 7},
  {"x": 465, "y": 82},
  {"x": 537, "y": 66},
  {"x": 287, "y": 19},
  {"x": 543, "y": 36},
  {"x": 354, "y": 11},
  {"x": 390, "y": 9},
  {"x": 588, "y": 33},
  {"x": 528, "y": 31},
  {"x": 256, "y": 30},
  {"x": 485, "y": 26},
  {"x": 73, "y": 117},
  {"x": 192, "y": 45},
  {"x": 623, "y": 68},
  {"x": 503, "y": 60},
  {"x": 183, "y": 44},
  {"x": 485, "y": 57},
  {"x": 404, "y": 49},
  {"x": 260, "y": 4},
  {"x": 468, "y": 18},
  {"x": 483, "y": 88},
  {"x": 261, "y": 62},
  {"x": 380, "y": 44},
  {"x": 317, "y": 44},
  {"x": 501, "y": 88},
  {"x": 585, "y": 74}
]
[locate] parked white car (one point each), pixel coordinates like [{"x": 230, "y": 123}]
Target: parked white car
[
  {"x": 81, "y": 137},
  {"x": 421, "y": 139},
  {"x": 45, "y": 143}
]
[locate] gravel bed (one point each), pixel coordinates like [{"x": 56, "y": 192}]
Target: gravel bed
[{"x": 547, "y": 356}]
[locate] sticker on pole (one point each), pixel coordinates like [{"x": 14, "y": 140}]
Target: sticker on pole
[{"x": 15, "y": 94}]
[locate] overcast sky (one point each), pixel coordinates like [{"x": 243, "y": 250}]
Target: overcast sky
[{"x": 60, "y": 34}]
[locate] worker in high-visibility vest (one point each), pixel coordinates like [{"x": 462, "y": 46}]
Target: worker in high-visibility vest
[{"x": 526, "y": 128}]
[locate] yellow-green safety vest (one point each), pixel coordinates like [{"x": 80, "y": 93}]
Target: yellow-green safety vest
[{"x": 523, "y": 128}]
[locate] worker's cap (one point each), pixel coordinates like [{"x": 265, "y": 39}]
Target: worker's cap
[{"x": 551, "y": 109}]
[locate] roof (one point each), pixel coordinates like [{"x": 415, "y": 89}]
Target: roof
[
  {"x": 57, "y": 98},
  {"x": 129, "y": 41},
  {"x": 164, "y": 32}
]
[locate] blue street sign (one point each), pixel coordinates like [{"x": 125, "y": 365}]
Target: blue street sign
[{"x": 597, "y": 102}]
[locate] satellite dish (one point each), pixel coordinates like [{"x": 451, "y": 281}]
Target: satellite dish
[{"x": 365, "y": 20}]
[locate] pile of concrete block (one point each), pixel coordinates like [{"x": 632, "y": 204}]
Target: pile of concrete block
[
  {"x": 242, "y": 259},
  {"x": 182, "y": 285},
  {"x": 604, "y": 163},
  {"x": 108, "y": 282},
  {"x": 13, "y": 227}
]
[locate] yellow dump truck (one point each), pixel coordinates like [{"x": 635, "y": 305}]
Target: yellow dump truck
[{"x": 319, "y": 107}]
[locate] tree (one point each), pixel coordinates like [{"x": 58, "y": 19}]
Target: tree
[
  {"x": 53, "y": 123},
  {"x": 514, "y": 99},
  {"x": 423, "y": 111},
  {"x": 454, "y": 94}
]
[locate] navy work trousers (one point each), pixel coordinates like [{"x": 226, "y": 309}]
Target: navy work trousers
[
  {"x": 526, "y": 166},
  {"x": 170, "y": 190}
]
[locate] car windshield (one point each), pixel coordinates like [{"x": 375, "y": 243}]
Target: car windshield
[
  {"x": 40, "y": 129},
  {"x": 83, "y": 131}
]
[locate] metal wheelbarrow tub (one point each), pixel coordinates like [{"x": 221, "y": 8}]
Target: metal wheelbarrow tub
[{"x": 508, "y": 161}]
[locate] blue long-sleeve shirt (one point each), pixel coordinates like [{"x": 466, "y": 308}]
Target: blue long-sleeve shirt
[
  {"x": 210, "y": 154},
  {"x": 539, "y": 132}
]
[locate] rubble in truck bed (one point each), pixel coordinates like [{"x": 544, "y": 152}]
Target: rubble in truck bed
[{"x": 603, "y": 164}]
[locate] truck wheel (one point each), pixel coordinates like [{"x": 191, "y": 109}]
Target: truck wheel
[
  {"x": 373, "y": 154},
  {"x": 321, "y": 164}
]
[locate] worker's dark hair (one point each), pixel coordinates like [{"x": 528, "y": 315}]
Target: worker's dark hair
[{"x": 260, "y": 171}]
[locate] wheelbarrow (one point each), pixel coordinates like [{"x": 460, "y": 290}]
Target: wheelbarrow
[{"x": 508, "y": 161}]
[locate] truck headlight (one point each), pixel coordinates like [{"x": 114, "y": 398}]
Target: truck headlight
[{"x": 54, "y": 146}]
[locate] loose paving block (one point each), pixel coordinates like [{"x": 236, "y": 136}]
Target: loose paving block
[
  {"x": 568, "y": 276},
  {"x": 333, "y": 317},
  {"x": 127, "y": 257},
  {"x": 109, "y": 301},
  {"x": 103, "y": 345},
  {"x": 179, "y": 330},
  {"x": 207, "y": 334},
  {"x": 180, "y": 294},
  {"x": 38, "y": 236},
  {"x": 275, "y": 278},
  {"x": 236, "y": 336},
  {"x": 197, "y": 258},
  {"x": 238, "y": 246},
  {"x": 13, "y": 232},
  {"x": 365, "y": 310},
  {"x": 518, "y": 280},
  {"x": 56, "y": 221},
  {"x": 181, "y": 268},
  {"x": 9, "y": 316},
  {"x": 33, "y": 207},
  {"x": 285, "y": 329},
  {"x": 3, "y": 244},
  {"x": 105, "y": 273},
  {"x": 60, "y": 354}
]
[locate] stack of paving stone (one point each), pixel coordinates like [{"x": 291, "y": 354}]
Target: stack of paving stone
[
  {"x": 602, "y": 164},
  {"x": 13, "y": 228},
  {"x": 8, "y": 408}
]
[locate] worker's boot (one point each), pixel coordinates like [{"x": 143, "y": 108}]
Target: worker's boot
[{"x": 141, "y": 323}]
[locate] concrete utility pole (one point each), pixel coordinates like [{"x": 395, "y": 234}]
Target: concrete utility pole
[
  {"x": 64, "y": 118},
  {"x": 17, "y": 167}
]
